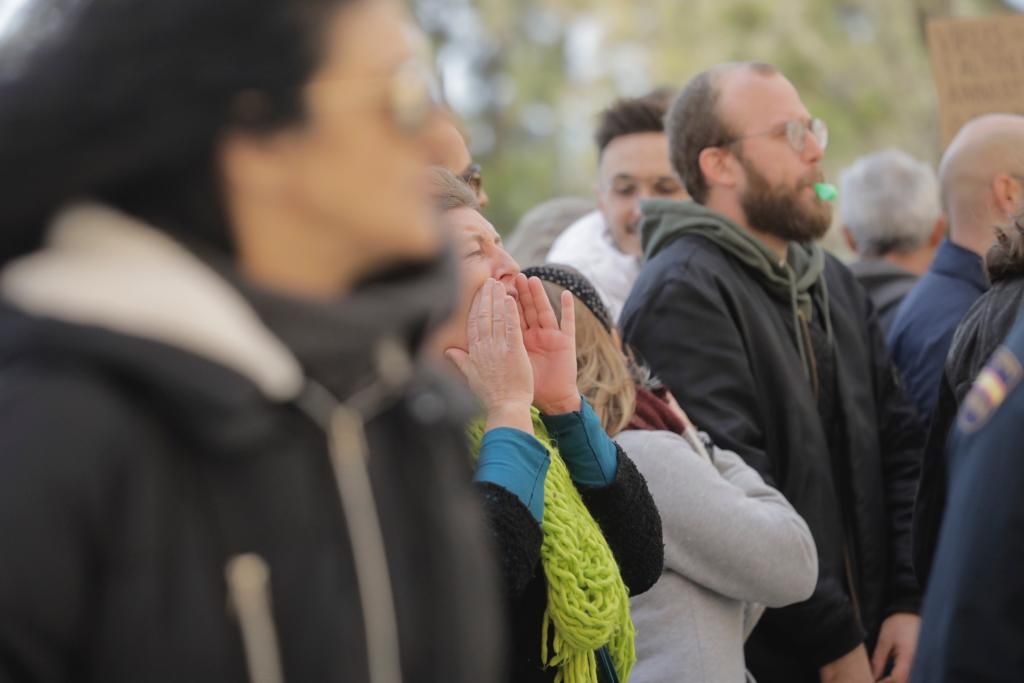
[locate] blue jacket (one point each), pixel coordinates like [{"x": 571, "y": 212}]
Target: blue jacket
[
  {"x": 974, "y": 612},
  {"x": 922, "y": 331}
]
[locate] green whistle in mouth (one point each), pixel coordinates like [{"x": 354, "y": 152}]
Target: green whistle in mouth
[{"x": 826, "y": 192}]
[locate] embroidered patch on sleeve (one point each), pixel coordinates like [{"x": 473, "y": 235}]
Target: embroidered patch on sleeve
[{"x": 996, "y": 381}]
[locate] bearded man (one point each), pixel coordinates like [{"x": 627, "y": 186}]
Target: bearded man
[{"x": 773, "y": 348}]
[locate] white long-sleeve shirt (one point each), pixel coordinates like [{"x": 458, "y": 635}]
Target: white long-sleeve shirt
[{"x": 587, "y": 246}]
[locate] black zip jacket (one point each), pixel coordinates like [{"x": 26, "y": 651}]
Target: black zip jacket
[
  {"x": 170, "y": 477},
  {"x": 727, "y": 349},
  {"x": 979, "y": 335}
]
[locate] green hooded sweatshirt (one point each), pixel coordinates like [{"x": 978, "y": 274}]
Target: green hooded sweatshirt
[{"x": 791, "y": 281}]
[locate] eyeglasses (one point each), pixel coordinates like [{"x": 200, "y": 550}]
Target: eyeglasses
[
  {"x": 410, "y": 97},
  {"x": 795, "y": 131},
  {"x": 473, "y": 177},
  {"x": 413, "y": 96}
]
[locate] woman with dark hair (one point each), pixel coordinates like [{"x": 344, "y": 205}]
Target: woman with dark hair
[
  {"x": 733, "y": 544},
  {"x": 576, "y": 529},
  {"x": 219, "y": 457}
]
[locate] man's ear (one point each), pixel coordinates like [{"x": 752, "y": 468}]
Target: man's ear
[
  {"x": 717, "y": 167},
  {"x": 851, "y": 242},
  {"x": 1007, "y": 194}
]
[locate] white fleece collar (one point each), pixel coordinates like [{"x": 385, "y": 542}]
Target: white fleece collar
[{"x": 103, "y": 268}]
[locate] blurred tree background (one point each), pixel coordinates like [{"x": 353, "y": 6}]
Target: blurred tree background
[{"x": 528, "y": 77}]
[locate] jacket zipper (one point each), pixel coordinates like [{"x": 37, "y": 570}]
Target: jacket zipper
[
  {"x": 851, "y": 585},
  {"x": 349, "y": 453},
  {"x": 343, "y": 424},
  {"x": 248, "y": 575},
  {"x": 812, "y": 363},
  {"x": 248, "y": 579}
]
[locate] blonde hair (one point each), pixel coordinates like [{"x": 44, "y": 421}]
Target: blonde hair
[{"x": 602, "y": 372}]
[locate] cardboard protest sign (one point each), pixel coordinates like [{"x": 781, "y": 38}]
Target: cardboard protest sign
[{"x": 978, "y": 66}]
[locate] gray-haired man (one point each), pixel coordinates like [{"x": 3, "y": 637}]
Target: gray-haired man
[{"x": 891, "y": 217}]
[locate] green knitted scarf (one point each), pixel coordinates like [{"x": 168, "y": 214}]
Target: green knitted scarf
[{"x": 588, "y": 604}]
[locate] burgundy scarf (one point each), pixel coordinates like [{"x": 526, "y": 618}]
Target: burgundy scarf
[{"x": 654, "y": 414}]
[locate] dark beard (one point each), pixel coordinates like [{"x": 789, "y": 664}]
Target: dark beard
[{"x": 779, "y": 211}]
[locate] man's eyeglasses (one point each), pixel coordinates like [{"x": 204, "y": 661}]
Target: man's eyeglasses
[
  {"x": 473, "y": 177},
  {"x": 795, "y": 131}
]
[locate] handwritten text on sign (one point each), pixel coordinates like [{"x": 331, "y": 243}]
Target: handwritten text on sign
[{"x": 978, "y": 66}]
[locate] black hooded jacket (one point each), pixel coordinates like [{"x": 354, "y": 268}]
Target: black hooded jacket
[
  {"x": 171, "y": 457},
  {"x": 729, "y": 349}
]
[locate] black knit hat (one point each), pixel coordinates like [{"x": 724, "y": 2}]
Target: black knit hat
[{"x": 571, "y": 279}]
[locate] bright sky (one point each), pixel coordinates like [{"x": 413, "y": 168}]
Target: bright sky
[{"x": 8, "y": 12}]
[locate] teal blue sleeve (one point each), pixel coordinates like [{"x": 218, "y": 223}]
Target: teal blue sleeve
[
  {"x": 517, "y": 462},
  {"x": 588, "y": 452}
]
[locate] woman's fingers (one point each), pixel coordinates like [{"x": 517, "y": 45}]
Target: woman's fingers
[
  {"x": 527, "y": 302},
  {"x": 485, "y": 314},
  {"x": 513, "y": 325},
  {"x": 545, "y": 314},
  {"x": 568, "y": 316},
  {"x": 473, "y": 320},
  {"x": 494, "y": 316},
  {"x": 498, "y": 321}
]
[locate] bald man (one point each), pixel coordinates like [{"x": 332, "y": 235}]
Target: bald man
[{"x": 981, "y": 178}]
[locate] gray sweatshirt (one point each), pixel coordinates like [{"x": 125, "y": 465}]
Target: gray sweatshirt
[{"x": 733, "y": 545}]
